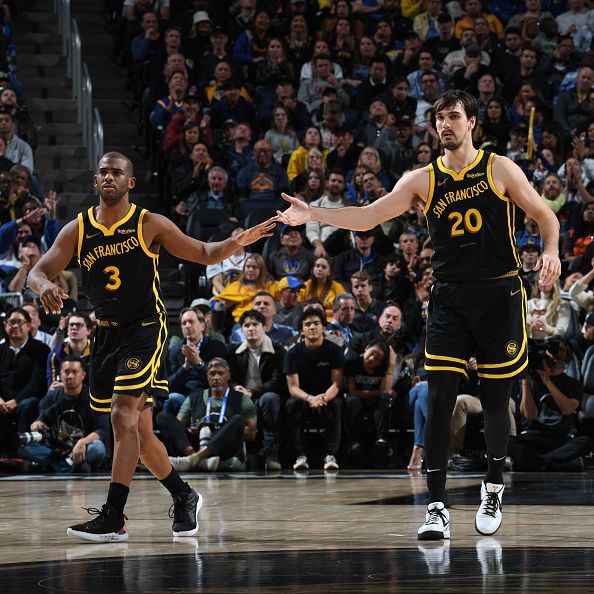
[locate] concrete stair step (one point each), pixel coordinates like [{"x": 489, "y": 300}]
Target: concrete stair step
[
  {"x": 42, "y": 163},
  {"x": 62, "y": 151},
  {"x": 49, "y": 17},
  {"x": 36, "y": 104},
  {"x": 61, "y": 83},
  {"x": 49, "y": 59}
]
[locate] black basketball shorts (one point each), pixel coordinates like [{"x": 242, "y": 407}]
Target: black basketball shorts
[
  {"x": 128, "y": 359},
  {"x": 485, "y": 319}
]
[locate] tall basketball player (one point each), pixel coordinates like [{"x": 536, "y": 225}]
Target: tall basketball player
[
  {"x": 477, "y": 305},
  {"x": 117, "y": 245}
]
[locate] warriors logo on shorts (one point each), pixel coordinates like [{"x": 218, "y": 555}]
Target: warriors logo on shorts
[
  {"x": 511, "y": 348},
  {"x": 133, "y": 363}
]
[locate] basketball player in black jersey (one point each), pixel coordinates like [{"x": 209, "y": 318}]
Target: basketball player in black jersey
[
  {"x": 117, "y": 245},
  {"x": 477, "y": 305}
]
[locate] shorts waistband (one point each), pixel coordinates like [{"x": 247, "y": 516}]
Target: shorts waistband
[{"x": 107, "y": 323}]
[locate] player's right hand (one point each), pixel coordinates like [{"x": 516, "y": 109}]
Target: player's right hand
[
  {"x": 297, "y": 214},
  {"x": 51, "y": 297}
]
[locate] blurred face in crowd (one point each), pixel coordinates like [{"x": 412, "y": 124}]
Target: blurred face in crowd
[
  {"x": 262, "y": 21},
  {"x": 373, "y": 356},
  {"x": 6, "y": 125},
  {"x": 149, "y": 21},
  {"x": 35, "y": 319},
  {"x": 369, "y": 182},
  {"x": 72, "y": 375},
  {"x": 291, "y": 239},
  {"x": 486, "y": 84},
  {"x": 481, "y": 28},
  {"x": 192, "y": 326},
  {"x": 253, "y": 330},
  {"x": 378, "y": 72},
  {"x": 312, "y": 138},
  {"x": 366, "y": 47},
  {"x": 529, "y": 258},
  {"x": 342, "y": 9},
  {"x": 392, "y": 269},
  {"x": 218, "y": 379},
  {"x": 203, "y": 28},
  {"x": 361, "y": 289},
  {"x": 17, "y": 328},
  {"x": 251, "y": 269},
  {"x": 584, "y": 79},
  {"x": 263, "y": 153},
  {"x": 200, "y": 153},
  {"x": 400, "y": 92},
  {"x": 280, "y": 118},
  {"x": 266, "y": 306},
  {"x": 423, "y": 154},
  {"x": 369, "y": 158},
  {"x": 468, "y": 37},
  {"x": 528, "y": 59},
  {"x": 178, "y": 83},
  {"x": 298, "y": 26},
  {"x": 323, "y": 68},
  {"x": 289, "y": 297},
  {"x": 378, "y": 110},
  {"x": 364, "y": 243},
  {"x": 314, "y": 161},
  {"x": 512, "y": 41},
  {"x": 335, "y": 185},
  {"x": 472, "y": 8},
  {"x": 552, "y": 187},
  {"x": 345, "y": 314},
  {"x": 403, "y": 133},
  {"x": 242, "y": 132},
  {"x": 217, "y": 181},
  {"x": 173, "y": 39},
  {"x": 313, "y": 181},
  {"x": 8, "y": 98},
  {"x": 391, "y": 320},
  {"x": 275, "y": 50},
  {"x": 494, "y": 111},
  {"x": 222, "y": 72},
  {"x": 312, "y": 329},
  {"x": 77, "y": 328},
  {"x": 191, "y": 135},
  {"x": 321, "y": 269},
  {"x": 426, "y": 61},
  {"x": 383, "y": 32},
  {"x": 408, "y": 244},
  {"x": 430, "y": 86}
]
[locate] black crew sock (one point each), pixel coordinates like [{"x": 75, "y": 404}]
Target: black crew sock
[
  {"x": 436, "y": 485},
  {"x": 117, "y": 497},
  {"x": 175, "y": 485}
]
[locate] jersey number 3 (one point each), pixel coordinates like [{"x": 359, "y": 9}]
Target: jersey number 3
[
  {"x": 114, "y": 281},
  {"x": 471, "y": 222}
]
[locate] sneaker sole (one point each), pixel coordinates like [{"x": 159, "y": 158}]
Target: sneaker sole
[
  {"x": 434, "y": 535},
  {"x": 486, "y": 533},
  {"x": 110, "y": 537},
  {"x": 194, "y": 530},
  {"x": 331, "y": 468}
]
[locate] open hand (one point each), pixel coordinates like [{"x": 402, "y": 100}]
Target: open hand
[
  {"x": 550, "y": 268},
  {"x": 297, "y": 214},
  {"x": 253, "y": 234}
]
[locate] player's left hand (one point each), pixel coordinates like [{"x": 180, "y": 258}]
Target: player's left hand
[
  {"x": 550, "y": 269},
  {"x": 253, "y": 234}
]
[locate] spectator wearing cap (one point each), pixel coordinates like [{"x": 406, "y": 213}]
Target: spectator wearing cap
[
  {"x": 189, "y": 117},
  {"x": 473, "y": 10},
  {"x": 374, "y": 85},
  {"x": 168, "y": 106},
  {"x": 256, "y": 371},
  {"x": 288, "y": 308},
  {"x": 264, "y": 180},
  {"x": 187, "y": 358},
  {"x": 292, "y": 258},
  {"x": 279, "y": 333},
  {"x": 361, "y": 257},
  {"x": 345, "y": 154},
  {"x": 199, "y": 39},
  {"x": 219, "y": 50},
  {"x": 445, "y": 41},
  {"x": 516, "y": 147},
  {"x": 216, "y": 422},
  {"x": 467, "y": 77},
  {"x": 232, "y": 106},
  {"x": 17, "y": 150},
  {"x": 426, "y": 24}
]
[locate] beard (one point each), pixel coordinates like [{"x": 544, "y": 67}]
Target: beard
[
  {"x": 113, "y": 198},
  {"x": 452, "y": 144}
]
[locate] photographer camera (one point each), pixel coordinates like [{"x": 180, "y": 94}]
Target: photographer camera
[
  {"x": 74, "y": 435},
  {"x": 550, "y": 399},
  {"x": 219, "y": 420}
]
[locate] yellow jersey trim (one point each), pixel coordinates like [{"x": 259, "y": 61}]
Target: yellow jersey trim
[
  {"x": 81, "y": 233},
  {"x": 446, "y": 358},
  {"x": 431, "y": 188},
  {"x": 492, "y": 183},
  {"x": 459, "y": 175},
  {"x": 141, "y": 236},
  {"x": 445, "y": 368},
  {"x": 113, "y": 228}
]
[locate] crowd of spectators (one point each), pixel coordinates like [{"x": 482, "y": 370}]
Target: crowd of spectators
[{"x": 318, "y": 327}]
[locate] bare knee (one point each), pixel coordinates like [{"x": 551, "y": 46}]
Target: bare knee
[{"x": 124, "y": 417}]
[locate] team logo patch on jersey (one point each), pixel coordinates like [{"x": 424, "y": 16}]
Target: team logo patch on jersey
[
  {"x": 511, "y": 348},
  {"x": 126, "y": 231},
  {"x": 133, "y": 363}
]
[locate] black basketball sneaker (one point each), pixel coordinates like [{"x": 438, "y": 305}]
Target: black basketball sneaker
[
  {"x": 184, "y": 511},
  {"x": 108, "y": 526}
]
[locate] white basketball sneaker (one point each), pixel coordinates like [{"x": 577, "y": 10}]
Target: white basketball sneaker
[
  {"x": 489, "y": 516},
  {"x": 437, "y": 523}
]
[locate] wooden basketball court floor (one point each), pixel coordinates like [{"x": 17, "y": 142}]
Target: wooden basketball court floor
[{"x": 344, "y": 532}]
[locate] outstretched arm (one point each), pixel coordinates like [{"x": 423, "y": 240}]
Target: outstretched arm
[
  {"x": 526, "y": 197},
  {"x": 412, "y": 186},
  {"x": 51, "y": 264},
  {"x": 158, "y": 230}
]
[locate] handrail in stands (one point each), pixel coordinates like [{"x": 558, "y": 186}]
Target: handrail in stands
[{"x": 82, "y": 86}]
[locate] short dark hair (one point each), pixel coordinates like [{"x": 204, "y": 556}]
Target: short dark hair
[
  {"x": 385, "y": 348},
  {"x": 449, "y": 99},
  {"x": 313, "y": 312},
  {"x": 335, "y": 171},
  {"x": 322, "y": 57},
  {"x": 254, "y": 314},
  {"x": 185, "y": 310},
  {"x": 5, "y": 111},
  {"x": 85, "y": 316},
  {"x": 71, "y": 359},
  {"x": 116, "y": 155},
  {"x": 19, "y": 310},
  {"x": 264, "y": 293}
]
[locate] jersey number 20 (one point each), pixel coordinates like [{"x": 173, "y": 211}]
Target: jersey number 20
[
  {"x": 114, "y": 281},
  {"x": 471, "y": 221}
]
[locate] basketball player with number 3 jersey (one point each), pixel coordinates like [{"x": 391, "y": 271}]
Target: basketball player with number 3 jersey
[
  {"x": 477, "y": 304},
  {"x": 117, "y": 246}
]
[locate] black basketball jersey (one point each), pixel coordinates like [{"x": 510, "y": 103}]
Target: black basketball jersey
[
  {"x": 470, "y": 222},
  {"x": 119, "y": 273}
]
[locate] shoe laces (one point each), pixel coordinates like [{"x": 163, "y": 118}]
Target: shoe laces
[
  {"x": 101, "y": 513},
  {"x": 491, "y": 504},
  {"x": 179, "y": 508},
  {"x": 435, "y": 515}
]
